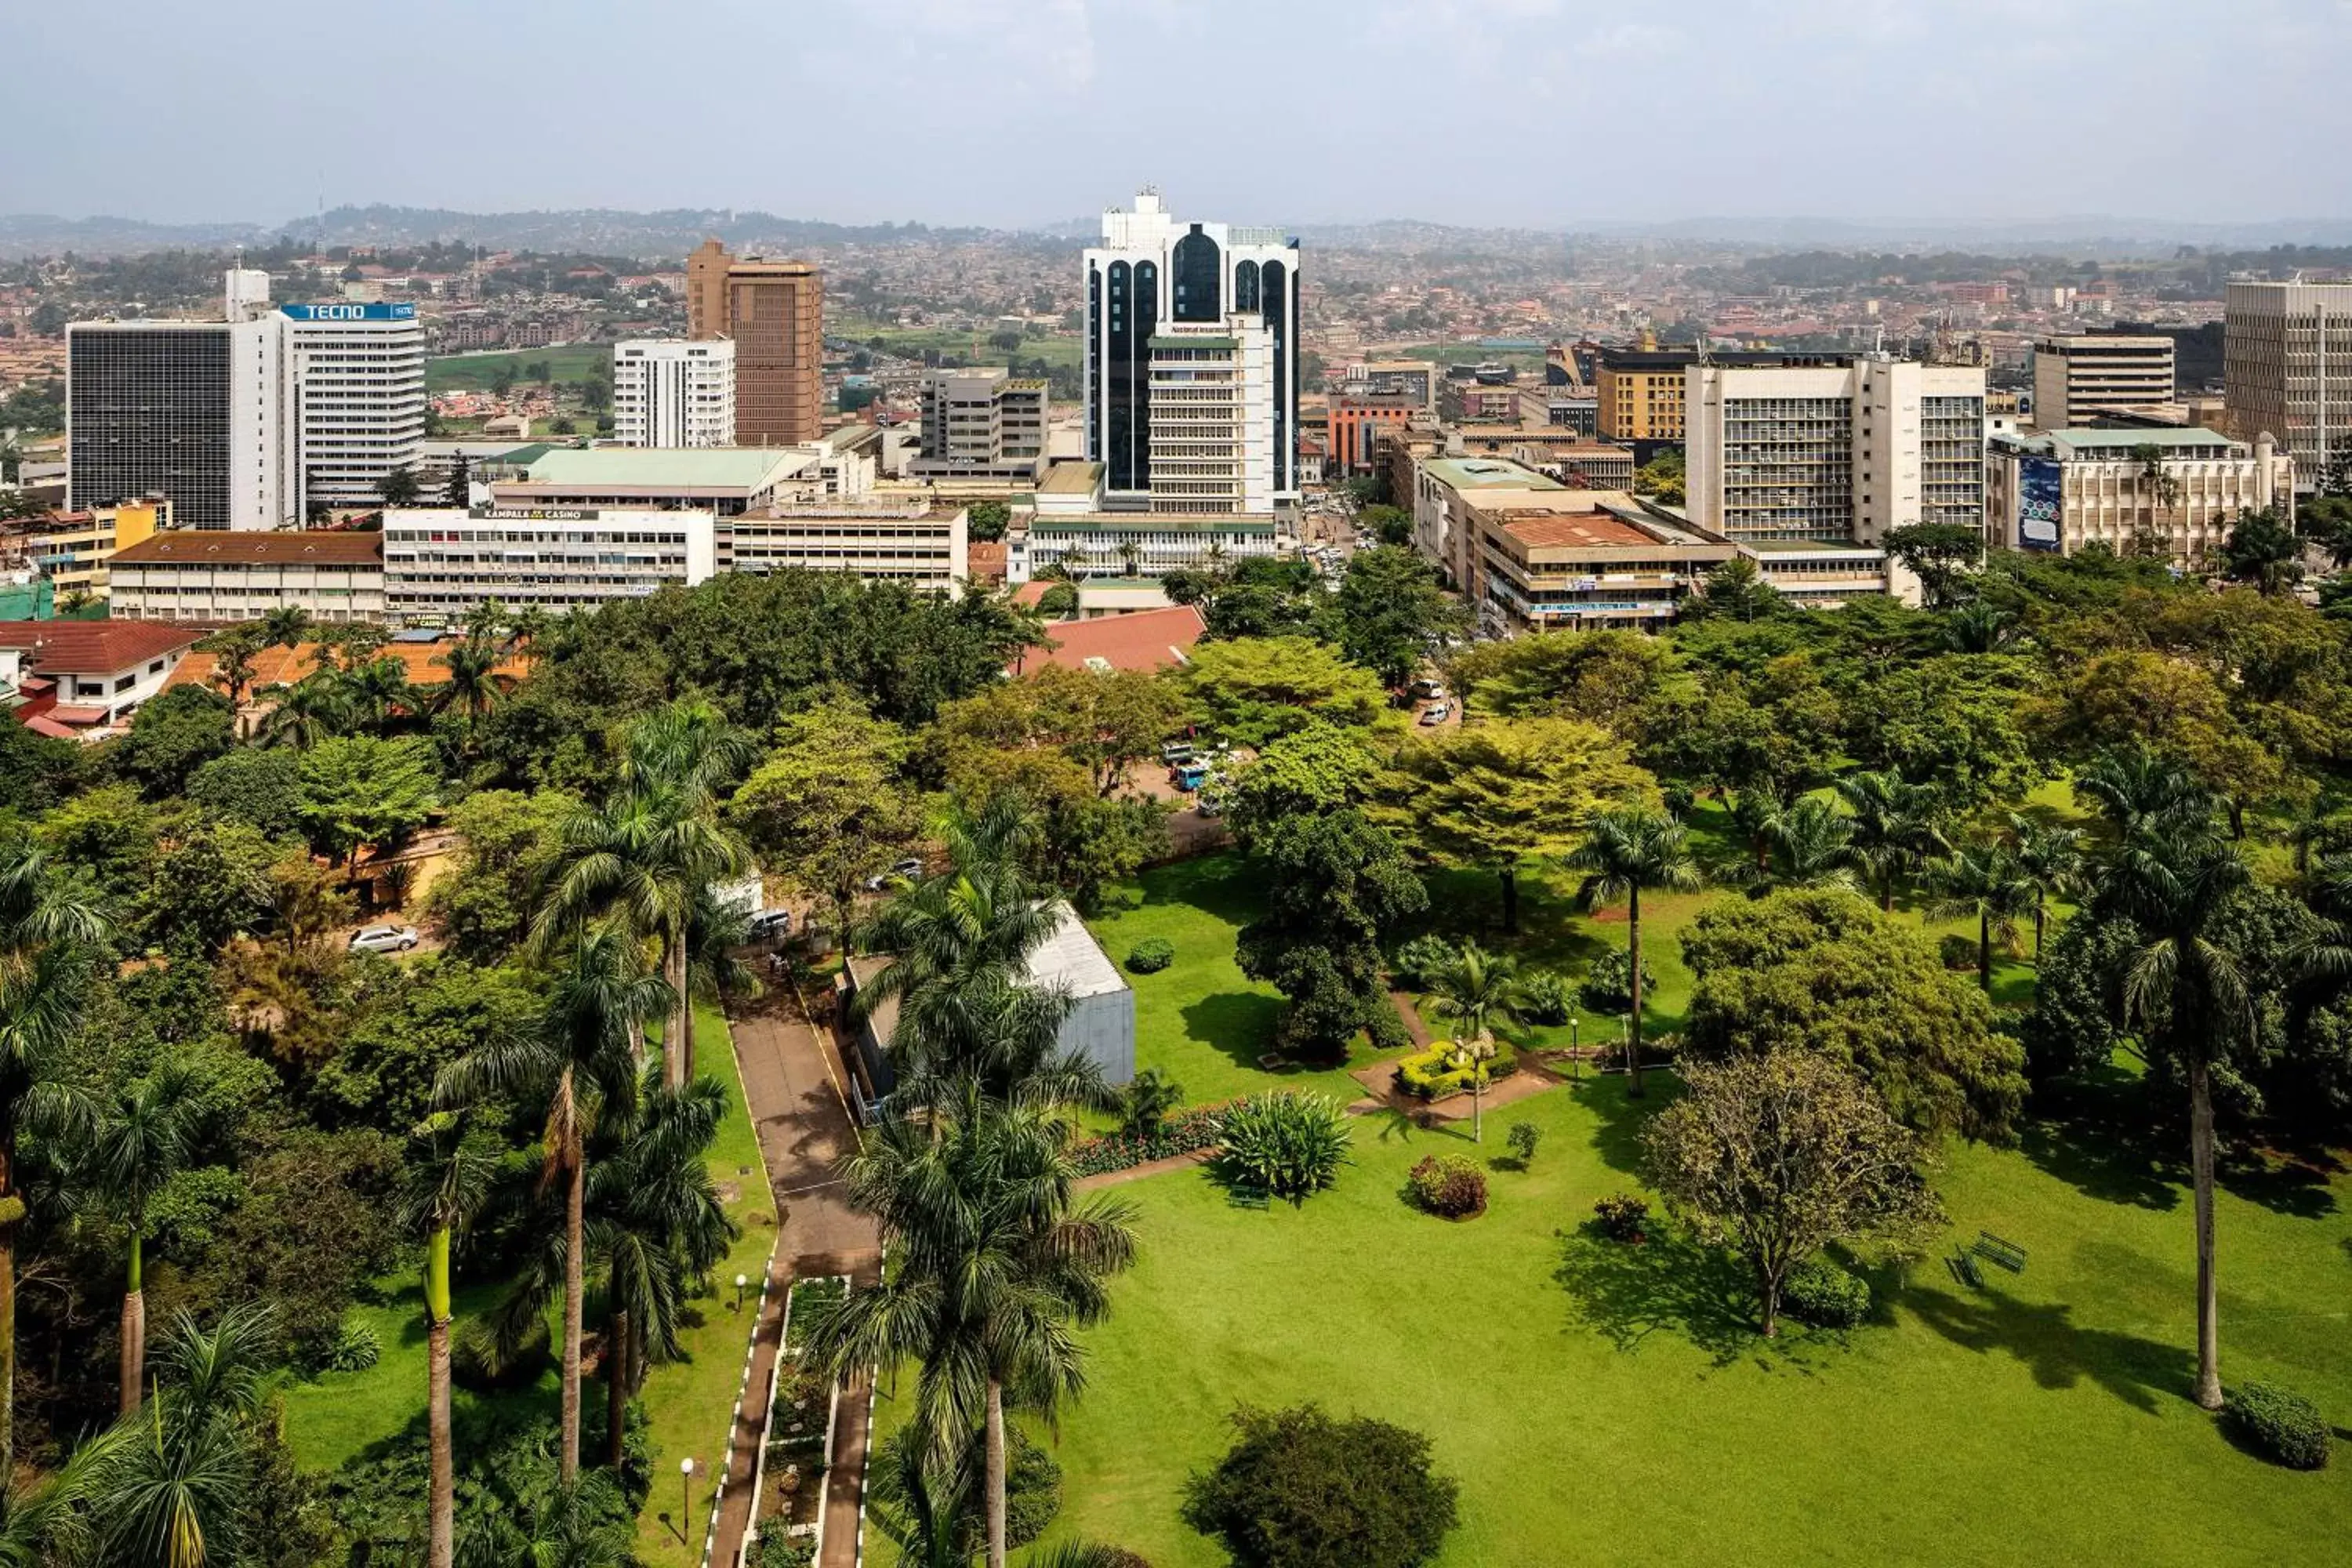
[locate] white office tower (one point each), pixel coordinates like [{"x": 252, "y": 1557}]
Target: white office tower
[
  {"x": 1151, "y": 274},
  {"x": 355, "y": 387},
  {"x": 1213, "y": 418},
  {"x": 192, "y": 410},
  {"x": 674, "y": 393},
  {"x": 1847, "y": 450}
]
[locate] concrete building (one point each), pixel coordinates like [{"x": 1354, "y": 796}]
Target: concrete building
[
  {"x": 2077, "y": 381},
  {"x": 1833, "y": 452},
  {"x": 1584, "y": 562},
  {"x": 222, "y": 579},
  {"x": 193, "y": 411},
  {"x": 925, "y": 546},
  {"x": 438, "y": 563},
  {"x": 1213, "y": 388},
  {"x": 1444, "y": 490},
  {"x": 982, "y": 425},
  {"x": 1577, "y": 461},
  {"x": 1639, "y": 393},
  {"x": 1152, "y": 278},
  {"x": 354, "y": 398},
  {"x": 668, "y": 393},
  {"x": 1353, "y": 422},
  {"x": 1468, "y": 402},
  {"x": 2287, "y": 368},
  {"x": 73, "y": 549},
  {"x": 78, "y": 679},
  {"x": 1825, "y": 574},
  {"x": 1135, "y": 546},
  {"x": 2172, "y": 493},
  {"x": 774, "y": 313},
  {"x": 724, "y": 480}
]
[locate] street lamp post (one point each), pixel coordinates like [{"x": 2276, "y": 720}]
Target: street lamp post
[
  {"x": 741, "y": 1281},
  {"x": 1575, "y": 1057},
  {"x": 684, "y": 1493}
]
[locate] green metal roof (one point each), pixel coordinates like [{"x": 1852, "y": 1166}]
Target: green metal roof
[
  {"x": 2069, "y": 443},
  {"x": 684, "y": 468},
  {"x": 1488, "y": 473}
]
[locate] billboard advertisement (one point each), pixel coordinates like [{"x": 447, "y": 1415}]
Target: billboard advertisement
[
  {"x": 348, "y": 312},
  {"x": 2040, "y": 489}
]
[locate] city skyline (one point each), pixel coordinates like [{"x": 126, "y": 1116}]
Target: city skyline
[{"x": 1839, "y": 111}]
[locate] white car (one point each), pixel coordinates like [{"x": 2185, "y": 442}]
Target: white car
[
  {"x": 906, "y": 870},
  {"x": 384, "y": 939}
]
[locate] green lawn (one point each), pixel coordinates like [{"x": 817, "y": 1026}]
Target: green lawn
[
  {"x": 471, "y": 373},
  {"x": 1604, "y": 1405},
  {"x": 1059, "y": 349},
  {"x": 1201, "y": 1020},
  {"x": 688, "y": 1403}
]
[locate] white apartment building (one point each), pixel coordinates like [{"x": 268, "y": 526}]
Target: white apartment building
[
  {"x": 1152, "y": 274},
  {"x": 2174, "y": 493},
  {"x": 2076, "y": 380},
  {"x": 926, "y": 547},
  {"x": 440, "y": 562},
  {"x": 354, "y": 397},
  {"x": 221, "y": 578},
  {"x": 981, "y": 424},
  {"x": 1844, "y": 451},
  {"x": 1212, "y": 438},
  {"x": 2286, "y": 368},
  {"x": 670, "y": 394},
  {"x": 1137, "y": 546}
]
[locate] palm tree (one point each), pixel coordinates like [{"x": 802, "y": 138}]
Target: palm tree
[
  {"x": 473, "y": 685},
  {"x": 652, "y": 848},
  {"x": 42, "y": 915},
  {"x": 1149, "y": 1099},
  {"x": 1984, "y": 881},
  {"x": 1756, "y": 812},
  {"x": 312, "y": 709},
  {"x": 995, "y": 1262},
  {"x": 233, "y": 652},
  {"x": 2050, "y": 857},
  {"x": 180, "y": 1491},
  {"x": 581, "y": 1526},
  {"x": 1894, "y": 828},
  {"x": 2142, "y": 794},
  {"x": 582, "y": 1060},
  {"x": 1979, "y": 627},
  {"x": 2188, "y": 991},
  {"x": 285, "y": 625},
  {"x": 1478, "y": 989},
  {"x": 1812, "y": 845},
  {"x": 142, "y": 1141},
  {"x": 49, "y": 1523},
  {"x": 448, "y": 1172},
  {"x": 2163, "y": 487},
  {"x": 378, "y": 691},
  {"x": 1624, "y": 852}
]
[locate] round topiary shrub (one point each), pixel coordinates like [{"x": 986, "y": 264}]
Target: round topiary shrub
[
  {"x": 477, "y": 1361},
  {"x": 1821, "y": 1293},
  {"x": 1449, "y": 1187},
  {"x": 1621, "y": 1216},
  {"x": 1300, "y": 1487},
  {"x": 1544, "y": 998},
  {"x": 1059, "y": 601},
  {"x": 1150, "y": 955},
  {"x": 2280, "y": 1425}
]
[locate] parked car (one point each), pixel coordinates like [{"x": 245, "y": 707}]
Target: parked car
[
  {"x": 769, "y": 924},
  {"x": 1188, "y": 777},
  {"x": 384, "y": 939},
  {"x": 1437, "y": 713},
  {"x": 1428, "y": 690},
  {"x": 1210, "y": 805},
  {"x": 906, "y": 870}
]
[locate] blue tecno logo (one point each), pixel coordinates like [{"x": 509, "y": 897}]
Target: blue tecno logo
[{"x": 403, "y": 312}]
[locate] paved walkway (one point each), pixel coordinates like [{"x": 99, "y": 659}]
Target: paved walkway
[{"x": 791, "y": 1084}]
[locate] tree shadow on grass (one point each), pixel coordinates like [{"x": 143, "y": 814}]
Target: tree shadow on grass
[
  {"x": 1619, "y": 1117},
  {"x": 1670, "y": 1283},
  {"x": 1238, "y": 1023},
  {"x": 2110, "y": 1138},
  {"x": 2059, "y": 1353}
]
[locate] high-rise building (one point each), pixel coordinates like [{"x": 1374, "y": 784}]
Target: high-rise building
[
  {"x": 2079, "y": 380},
  {"x": 191, "y": 411},
  {"x": 1151, "y": 274},
  {"x": 775, "y": 312},
  {"x": 1847, "y": 451},
  {"x": 981, "y": 424},
  {"x": 674, "y": 393},
  {"x": 2287, "y": 368},
  {"x": 1212, "y": 386},
  {"x": 355, "y": 398}
]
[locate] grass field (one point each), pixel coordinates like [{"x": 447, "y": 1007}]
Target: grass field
[
  {"x": 688, "y": 1403},
  {"x": 1611, "y": 1405},
  {"x": 1059, "y": 350},
  {"x": 471, "y": 373}
]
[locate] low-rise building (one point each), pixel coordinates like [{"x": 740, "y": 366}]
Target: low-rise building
[
  {"x": 2169, "y": 493},
  {"x": 1143, "y": 640},
  {"x": 1136, "y": 544},
  {"x": 1825, "y": 576},
  {"x": 1352, "y": 424},
  {"x": 723, "y": 480},
  {"x": 1443, "y": 490},
  {"x": 923, "y": 545},
  {"x": 213, "y": 576},
  {"x": 439, "y": 563},
  {"x": 73, "y": 549},
  {"x": 81, "y": 678},
  {"x": 1586, "y": 562},
  {"x": 1468, "y": 402},
  {"x": 1575, "y": 460}
]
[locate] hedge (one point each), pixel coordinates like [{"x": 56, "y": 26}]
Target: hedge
[
  {"x": 2280, "y": 1425},
  {"x": 1427, "y": 1075},
  {"x": 1187, "y": 1133}
]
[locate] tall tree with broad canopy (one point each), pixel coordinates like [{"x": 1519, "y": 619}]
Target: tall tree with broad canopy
[
  {"x": 1488, "y": 796},
  {"x": 1336, "y": 889},
  {"x": 830, "y": 807},
  {"x": 1252, "y": 690},
  {"x": 1818, "y": 971},
  {"x": 1941, "y": 554},
  {"x": 1777, "y": 1156},
  {"x": 1391, "y": 612}
]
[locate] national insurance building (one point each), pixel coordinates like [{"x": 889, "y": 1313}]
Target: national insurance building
[{"x": 1231, "y": 290}]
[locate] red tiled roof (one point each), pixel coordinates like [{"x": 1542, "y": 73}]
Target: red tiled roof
[
  {"x": 1147, "y": 639},
  {"x": 321, "y": 547},
  {"x": 42, "y": 725},
  {"x": 283, "y": 666},
  {"x": 96, "y": 647}
]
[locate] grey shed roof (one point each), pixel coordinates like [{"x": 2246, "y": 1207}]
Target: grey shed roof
[{"x": 1073, "y": 960}]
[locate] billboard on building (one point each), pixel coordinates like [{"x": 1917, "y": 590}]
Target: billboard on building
[{"x": 2041, "y": 491}]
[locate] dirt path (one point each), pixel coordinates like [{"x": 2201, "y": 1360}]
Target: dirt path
[
  {"x": 792, "y": 1086},
  {"x": 1148, "y": 1168}
]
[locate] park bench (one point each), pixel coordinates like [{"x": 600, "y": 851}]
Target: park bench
[
  {"x": 2006, "y": 1254},
  {"x": 1247, "y": 1197},
  {"x": 1964, "y": 1269}
]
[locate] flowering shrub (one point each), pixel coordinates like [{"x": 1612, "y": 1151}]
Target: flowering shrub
[
  {"x": 1434, "y": 1074},
  {"x": 1187, "y": 1133},
  {"x": 1620, "y": 1217},
  {"x": 1448, "y": 1185}
]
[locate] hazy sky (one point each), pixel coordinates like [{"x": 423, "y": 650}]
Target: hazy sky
[{"x": 1548, "y": 113}]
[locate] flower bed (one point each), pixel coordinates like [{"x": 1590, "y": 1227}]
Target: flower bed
[
  {"x": 1187, "y": 1133},
  {"x": 1429, "y": 1074}
]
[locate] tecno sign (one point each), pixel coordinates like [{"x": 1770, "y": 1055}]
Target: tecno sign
[{"x": 353, "y": 312}]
